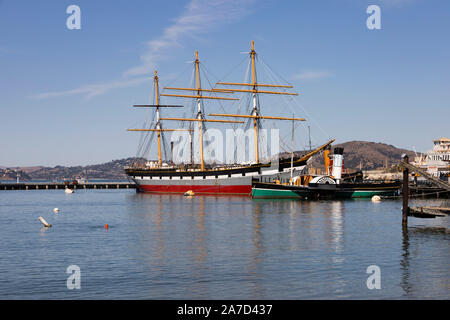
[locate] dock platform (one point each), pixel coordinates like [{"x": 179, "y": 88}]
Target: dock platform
[
  {"x": 62, "y": 186},
  {"x": 428, "y": 212}
]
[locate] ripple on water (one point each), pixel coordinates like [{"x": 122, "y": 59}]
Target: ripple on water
[{"x": 170, "y": 247}]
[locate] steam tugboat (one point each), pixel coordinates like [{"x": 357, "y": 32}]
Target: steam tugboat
[{"x": 328, "y": 186}]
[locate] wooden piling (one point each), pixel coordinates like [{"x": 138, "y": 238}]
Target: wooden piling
[{"x": 405, "y": 193}]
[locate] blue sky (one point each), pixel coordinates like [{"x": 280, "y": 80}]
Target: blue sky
[{"x": 66, "y": 95}]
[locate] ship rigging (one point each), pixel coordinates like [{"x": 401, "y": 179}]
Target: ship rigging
[{"x": 234, "y": 178}]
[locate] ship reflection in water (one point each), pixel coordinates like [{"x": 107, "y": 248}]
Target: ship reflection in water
[{"x": 213, "y": 247}]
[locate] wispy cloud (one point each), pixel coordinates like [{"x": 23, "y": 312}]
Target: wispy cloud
[
  {"x": 199, "y": 17},
  {"x": 312, "y": 75},
  {"x": 93, "y": 90}
]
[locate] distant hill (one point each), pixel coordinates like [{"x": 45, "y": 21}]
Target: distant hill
[
  {"x": 371, "y": 155},
  {"x": 109, "y": 170},
  {"x": 26, "y": 169}
]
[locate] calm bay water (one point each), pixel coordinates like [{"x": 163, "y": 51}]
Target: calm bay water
[{"x": 172, "y": 247}]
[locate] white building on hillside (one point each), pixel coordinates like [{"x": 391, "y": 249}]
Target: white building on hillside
[{"x": 436, "y": 161}]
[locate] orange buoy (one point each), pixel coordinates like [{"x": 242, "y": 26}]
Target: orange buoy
[{"x": 106, "y": 226}]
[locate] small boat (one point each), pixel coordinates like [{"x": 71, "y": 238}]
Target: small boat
[{"x": 80, "y": 180}]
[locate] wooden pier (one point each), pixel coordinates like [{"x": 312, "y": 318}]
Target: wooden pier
[
  {"x": 426, "y": 191},
  {"x": 62, "y": 185},
  {"x": 420, "y": 212},
  {"x": 436, "y": 181},
  {"x": 428, "y": 212}
]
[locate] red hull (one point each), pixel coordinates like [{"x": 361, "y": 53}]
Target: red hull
[{"x": 238, "y": 189}]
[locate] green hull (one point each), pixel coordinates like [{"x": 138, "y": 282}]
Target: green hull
[
  {"x": 278, "y": 191},
  {"x": 364, "y": 193},
  {"x": 278, "y": 194}
]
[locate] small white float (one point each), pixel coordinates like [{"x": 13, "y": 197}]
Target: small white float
[
  {"x": 56, "y": 210},
  {"x": 45, "y": 223},
  {"x": 69, "y": 190},
  {"x": 376, "y": 199}
]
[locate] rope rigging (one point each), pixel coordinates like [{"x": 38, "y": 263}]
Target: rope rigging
[{"x": 248, "y": 107}]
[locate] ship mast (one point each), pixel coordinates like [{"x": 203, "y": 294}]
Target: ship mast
[
  {"x": 255, "y": 114},
  {"x": 292, "y": 151},
  {"x": 255, "y": 108},
  {"x": 199, "y": 110},
  {"x": 199, "y": 96},
  {"x": 158, "y": 124},
  {"x": 158, "y": 129}
]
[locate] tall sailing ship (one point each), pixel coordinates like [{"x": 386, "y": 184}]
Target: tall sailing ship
[{"x": 203, "y": 178}]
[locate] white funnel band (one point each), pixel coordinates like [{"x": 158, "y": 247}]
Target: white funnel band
[{"x": 337, "y": 166}]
